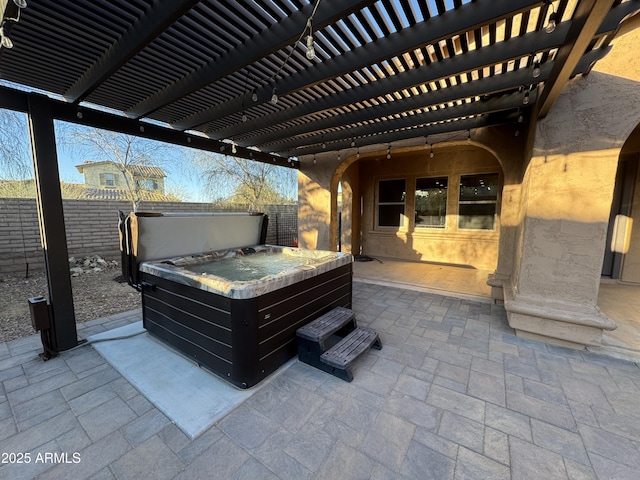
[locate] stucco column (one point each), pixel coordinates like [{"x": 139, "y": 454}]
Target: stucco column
[
  {"x": 317, "y": 204},
  {"x": 509, "y": 224},
  {"x": 566, "y": 201},
  {"x": 566, "y": 204}
]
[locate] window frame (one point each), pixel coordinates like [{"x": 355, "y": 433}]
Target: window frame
[
  {"x": 108, "y": 180},
  {"x": 431, "y": 227},
  {"x": 148, "y": 184},
  {"x": 403, "y": 224},
  {"x": 495, "y": 202}
]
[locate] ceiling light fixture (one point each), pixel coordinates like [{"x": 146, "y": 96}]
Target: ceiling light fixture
[
  {"x": 254, "y": 95},
  {"x": 5, "y": 40},
  {"x": 553, "y": 19},
  {"x": 431, "y": 151},
  {"x": 389, "y": 152},
  {"x": 311, "y": 51},
  {"x": 525, "y": 100},
  {"x": 274, "y": 96},
  {"x": 8, "y": 23},
  {"x": 536, "y": 69},
  {"x": 234, "y": 148}
]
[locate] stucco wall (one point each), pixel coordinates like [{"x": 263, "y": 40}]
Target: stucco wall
[
  {"x": 566, "y": 203},
  {"x": 314, "y": 202},
  {"x": 92, "y": 177},
  {"x": 477, "y": 248},
  {"x": 571, "y": 179},
  {"x": 350, "y": 230}
]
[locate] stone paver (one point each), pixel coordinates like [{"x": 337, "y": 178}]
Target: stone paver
[{"x": 453, "y": 394}]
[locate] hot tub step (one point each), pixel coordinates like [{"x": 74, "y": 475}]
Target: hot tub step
[
  {"x": 326, "y": 325},
  {"x": 342, "y": 355}
]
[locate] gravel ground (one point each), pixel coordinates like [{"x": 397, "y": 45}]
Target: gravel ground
[{"x": 95, "y": 295}]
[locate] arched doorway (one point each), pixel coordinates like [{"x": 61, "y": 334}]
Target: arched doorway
[
  {"x": 626, "y": 201},
  {"x": 619, "y": 294},
  {"x": 388, "y": 214}
]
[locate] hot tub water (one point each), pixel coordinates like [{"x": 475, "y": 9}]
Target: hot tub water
[{"x": 253, "y": 266}]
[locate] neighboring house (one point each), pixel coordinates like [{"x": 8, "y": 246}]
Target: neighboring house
[
  {"x": 108, "y": 175},
  {"x": 80, "y": 191}
]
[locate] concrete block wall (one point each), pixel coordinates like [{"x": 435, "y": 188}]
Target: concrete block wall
[
  {"x": 19, "y": 235},
  {"x": 92, "y": 228}
]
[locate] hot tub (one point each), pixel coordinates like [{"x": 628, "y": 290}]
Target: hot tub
[{"x": 233, "y": 310}]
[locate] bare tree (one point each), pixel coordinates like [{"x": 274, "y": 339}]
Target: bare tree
[
  {"x": 125, "y": 151},
  {"x": 233, "y": 180},
  {"x": 15, "y": 159}
]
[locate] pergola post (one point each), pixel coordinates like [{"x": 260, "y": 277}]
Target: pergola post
[{"x": 51, "y": 221}]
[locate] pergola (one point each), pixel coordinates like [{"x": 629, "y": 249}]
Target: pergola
[{"x": 276, "y": 80}]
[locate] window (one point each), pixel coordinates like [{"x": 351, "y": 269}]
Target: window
[
  {"x": 108, "y": 179},
  {"x": 148, "y": 184},
  {"x": 431, "y": 202},
  {"x": 478, "y": 201},
  {"x": 391, "y": 197}
]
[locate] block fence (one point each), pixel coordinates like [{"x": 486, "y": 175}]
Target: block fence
[{"x": 92, "y": 228}]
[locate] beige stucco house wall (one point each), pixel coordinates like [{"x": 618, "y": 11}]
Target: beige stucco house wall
[
  {"x": 558, "y": 177},
  {"x": 94, "y": 176},
  {"x": 446, "y": 244}
]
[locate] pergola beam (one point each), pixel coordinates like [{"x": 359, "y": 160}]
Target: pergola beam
[
  {"x": 158, "y": 17},
  {"x": 266, "y": 43},
  {"x": 343, "y": 138},
  {"x": 273, "y": 141},
  {"x": 67, "y": 112},
  {"x": 390, "y": 137},
  {"x": 458, "y": 21},
  {"x": 515, "y": 48},
  {"x": 587, "y": 19},
  {"x": 51, "y": 220}
]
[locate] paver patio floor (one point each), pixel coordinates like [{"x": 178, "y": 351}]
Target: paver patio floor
[{"x": 452, "y": 394}]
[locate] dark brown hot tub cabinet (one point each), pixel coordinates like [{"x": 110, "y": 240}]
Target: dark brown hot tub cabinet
[{"x": 243, "y": 340}]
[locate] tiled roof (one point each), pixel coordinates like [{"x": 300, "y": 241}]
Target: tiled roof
[
  {"x": 78, "y": 191},
  {"x": 113, "y": 194},
  {"x": 145, "y": 171}
]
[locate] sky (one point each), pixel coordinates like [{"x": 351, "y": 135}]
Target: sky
[
  {"x": 175, "y": 163},
  {"x": 182, "y": 179}
]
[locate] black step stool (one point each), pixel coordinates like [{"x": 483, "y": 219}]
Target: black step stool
[{"x": 333, "y": 341}]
